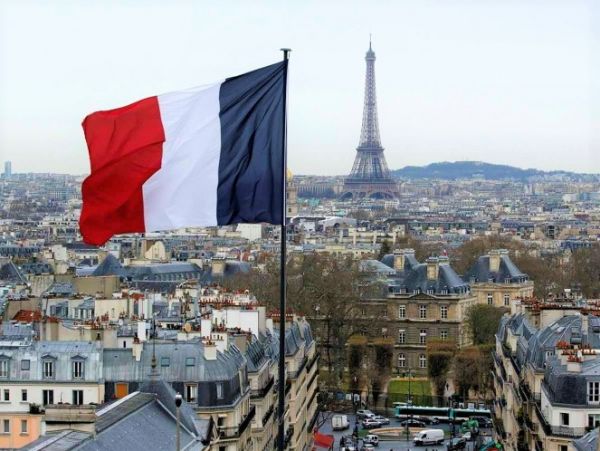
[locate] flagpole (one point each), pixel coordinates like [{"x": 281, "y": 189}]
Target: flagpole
[{"x": 282, "y": 272}]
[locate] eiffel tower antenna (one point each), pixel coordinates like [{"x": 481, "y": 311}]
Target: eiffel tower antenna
[{"x": 370, "y": 177}]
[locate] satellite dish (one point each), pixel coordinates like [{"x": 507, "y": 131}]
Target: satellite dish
[{"x": 187, "y": 327}]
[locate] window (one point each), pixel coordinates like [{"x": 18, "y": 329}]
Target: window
[
  {"x": 190, "y": 361},
  {"x": 444, "y": 311},
  {"x": 563, "y": 448},
  {"x": 191, "y": 392},
  {"x": 23, "y": 426},
  {"x": 490, "y": 298},
  {"x": 593, "y": 421},
  {"x": 77, "y": 367},
  {"x": 401, "y": 337},
  {"x": 6, "y": 395},
  {"x": 24, "y": 395},
  {"x": 401, "y": 360},
  {"x": 219, "y": 391},
  {"x": 402, "y": 311},
  {"x": 506, "y": 300},
  {"x": 594, "y": 392},
  {"x": 124, "y": 344},
  {"x": 48, "y": 369},
  {"x": 422, "y": 361},
  {"x": 443, "y": 334},
  {"x": 77, "y": 397},
  {"x": 564, "y": 419},
  {"x": 47, "y": 397},
  {"x": 423, "y": 336},
  {"x": 422, "y": 311},
  {"x": 165, "y": 361},
  {"x": 4, "y": 368},
  {"x": 6, "y": 426},
  {"x": 25, "y": 365}
]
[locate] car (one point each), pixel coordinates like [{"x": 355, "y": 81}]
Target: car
[
  {"x": 371, "y": 439},
  {"x": 427, "y": 420},
  {"x": 382, "y": 420},
  {"x": 412, "y": 423},
  {"x": 363, "y": 413},
  {"x": 347, "y": 443},
  {"x": 483, "y": 422},
  {"x": 429, "y": 437},
  {"x": 369, "y": 423},
  {"x": 468, "y": 436},
  {"x": 456, "y": 443}
]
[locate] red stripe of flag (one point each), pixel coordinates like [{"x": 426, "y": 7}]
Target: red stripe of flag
[{"x": 125, "y": 147}]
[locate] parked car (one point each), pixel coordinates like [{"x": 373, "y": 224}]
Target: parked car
[
  {"x": 382, "y": 420},
  {"x": 369, "y": 423},
  {"x": 429, "y": 437},
  {"x": 483, "y": 422},
  {"x": 371, "y": 439},
  {"x": 456, "y": 443},
  {"x": 412, "y": 423},
  {"x": 363, "y": 413}
]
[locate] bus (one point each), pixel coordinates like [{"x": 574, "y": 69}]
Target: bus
[{"x": 403, "y": 411}]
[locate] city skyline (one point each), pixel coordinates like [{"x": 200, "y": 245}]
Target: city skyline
[{"x": 452, "y": 83}]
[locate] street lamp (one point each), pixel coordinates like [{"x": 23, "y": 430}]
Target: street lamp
[
  {"x": 355, "y": 404},
  {"x": 178, "y": 401},
  {"x": 408, "y": 404}
]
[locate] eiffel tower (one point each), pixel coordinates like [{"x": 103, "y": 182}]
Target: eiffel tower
[{"x": 370, "y": 177}]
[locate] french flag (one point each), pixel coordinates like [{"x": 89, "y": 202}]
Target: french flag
[{"x": 206, "y": 156}]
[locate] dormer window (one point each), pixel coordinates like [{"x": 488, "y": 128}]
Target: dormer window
[
  {"x": 594, "y": 392},
  {"x": 4, "y": 367},
  {"x": 78, "y": 369},
  {"x": 48, "y": 369}
]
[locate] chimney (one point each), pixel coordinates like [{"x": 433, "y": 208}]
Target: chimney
[
  {"x": 210, "y": 351},
  {"x": 433, "y": 268},
  {"x": 241, "y": 342},
  {"x": 218, "y": 266},
  {"x": 137, "y": 349},
  {"x": 398, "y": 260},
  {"x": 270, "y": 324},
  {"x": 205, "y": 327},
  {"x": 495, "y": 258}
]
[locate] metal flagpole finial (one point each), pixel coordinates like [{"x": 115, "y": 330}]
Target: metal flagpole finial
[{"x": 286, "y": 52}]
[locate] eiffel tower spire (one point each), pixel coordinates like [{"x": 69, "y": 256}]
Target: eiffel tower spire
[{"x": 370, "y": 176}]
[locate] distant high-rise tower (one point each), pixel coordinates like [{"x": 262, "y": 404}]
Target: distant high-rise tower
[
  {"x": 7, "y": 169},
  {"x": 370, "y": 177}
]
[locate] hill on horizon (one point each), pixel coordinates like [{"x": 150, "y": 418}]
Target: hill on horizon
[{"x": 453, "y": 170}]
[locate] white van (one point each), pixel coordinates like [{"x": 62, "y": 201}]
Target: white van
[
  {"x": 429, "y": 437},
  {"x": 339, "y": 422}
]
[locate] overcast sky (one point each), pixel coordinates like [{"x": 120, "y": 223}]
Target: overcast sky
[{"x": 503, "y": 81}]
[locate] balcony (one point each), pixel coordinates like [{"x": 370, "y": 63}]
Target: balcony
[
  {"x": 312, "y": 362},
  {"x": 67, "y": 413},
  {"x": 236, "y": 432},
  {"x": 558, "y": 431},
  {"x": 267, "y": 415},
  {"x": 261, "y": 393}
]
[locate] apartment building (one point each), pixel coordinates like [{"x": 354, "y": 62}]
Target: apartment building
[
  {"x": 496, "y": 280},
  {"x": 36, "y": 376},
  {"x": 547, "y": 381}
]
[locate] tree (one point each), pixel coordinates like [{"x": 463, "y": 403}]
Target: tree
[
  {"x": 384, "y": 249},
  {"x": 440, "y": 355},
  {"x": 470, "y": 369},
  {"x": 483, "y": 321}
]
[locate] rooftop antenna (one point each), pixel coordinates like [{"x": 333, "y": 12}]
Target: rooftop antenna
[{"x": 369, "y": 41}]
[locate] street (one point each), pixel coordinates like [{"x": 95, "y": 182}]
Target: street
[{"x": 384, "y": 445}]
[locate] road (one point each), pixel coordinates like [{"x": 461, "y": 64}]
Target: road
[{"x": 386, "y": 445}]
